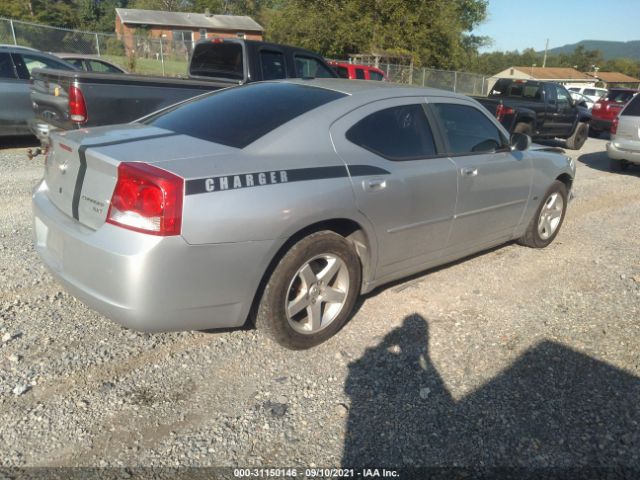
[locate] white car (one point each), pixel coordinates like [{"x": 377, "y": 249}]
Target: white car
[{"x": 594, "y": 93}]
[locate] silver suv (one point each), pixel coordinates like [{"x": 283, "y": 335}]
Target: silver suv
[{"x": 624, "y": 147}]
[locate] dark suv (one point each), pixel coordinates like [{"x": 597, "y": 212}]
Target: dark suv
[{"x": 16, "y": 64}]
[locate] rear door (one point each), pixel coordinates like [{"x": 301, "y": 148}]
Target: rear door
[
  {"x": 14, "y": 98},
  {"x": 493, "y": 182},
  {"x": 404, "y": 183}
]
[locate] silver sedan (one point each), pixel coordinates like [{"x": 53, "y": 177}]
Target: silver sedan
[{"x": 281, "y": 202}]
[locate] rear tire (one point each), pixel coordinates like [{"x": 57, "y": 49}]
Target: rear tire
[
  {"x": 311, "y": 292},
  {"x": 578, "y": 137},
  {"x": 546, "y": 223}
]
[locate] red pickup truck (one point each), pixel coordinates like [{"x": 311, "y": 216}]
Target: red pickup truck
[
  {"x": 358, "y": 72},
  {"x": 608, "y": 108}
]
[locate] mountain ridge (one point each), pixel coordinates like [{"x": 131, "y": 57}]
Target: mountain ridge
[{"x": 609, "y": 49}]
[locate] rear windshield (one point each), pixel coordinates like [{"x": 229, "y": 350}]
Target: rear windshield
[
  {"x": 633, "y": 107},
  {"x": 524, "y": 90},
  {"x": 222, "y": 60},
  {"x": 619, "y": 96},
  {"x": 239, "y": 116}
]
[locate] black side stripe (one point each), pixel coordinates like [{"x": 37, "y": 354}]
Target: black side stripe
[
  {"x": 273, "y": 177},
  {"x": 75, "y": 203}
]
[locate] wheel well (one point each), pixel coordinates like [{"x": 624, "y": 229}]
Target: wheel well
[
  {"x": 567, "y": 180},
  {"x": 349, "y": 229}
]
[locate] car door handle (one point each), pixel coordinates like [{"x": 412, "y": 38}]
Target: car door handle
[
  {"x": 376, "y": 184},
  {"x": 470, "y": 172}
]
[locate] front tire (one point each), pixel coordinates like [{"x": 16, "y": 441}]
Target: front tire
[
  {"x": 578, "y": 137},
  {"x": 546, "y": 223},
  {"x": 523, "y": 127},
  {"x": 311, "y": 292}
]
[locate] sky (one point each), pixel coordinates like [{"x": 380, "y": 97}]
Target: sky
[{"x": 518, "y": 24}]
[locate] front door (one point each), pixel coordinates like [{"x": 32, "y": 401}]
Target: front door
[
  {"x": 493, "y": 181},
  {"x": 401, "y": 181}
]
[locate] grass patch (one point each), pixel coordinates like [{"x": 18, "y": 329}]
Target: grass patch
[{"x": 151, "y": 66}]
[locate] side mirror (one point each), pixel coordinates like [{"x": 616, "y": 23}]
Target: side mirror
[{"x": 520, "y": 141}]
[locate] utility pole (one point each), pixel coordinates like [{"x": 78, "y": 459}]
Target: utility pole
[{"x": 544, "y": 60}]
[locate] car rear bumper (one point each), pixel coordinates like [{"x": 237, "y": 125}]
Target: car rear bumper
[
  {"x": 600, "y": 124},
  {"x": 616, "y": 153},
  {"x": 146, "y": 282}
]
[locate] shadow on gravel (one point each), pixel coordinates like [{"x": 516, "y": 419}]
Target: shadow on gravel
[
  {"x": 554, "y": 407},
  {"x": 600, "y": 161},
  {"x": 18, "y": 142}
]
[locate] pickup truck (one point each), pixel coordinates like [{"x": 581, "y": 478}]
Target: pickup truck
[
  {"x": 64, "y": 100},
  {"x": 539, "y": 109}
]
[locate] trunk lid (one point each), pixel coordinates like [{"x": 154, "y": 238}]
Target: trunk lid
[{"x": 81, "y": 169}]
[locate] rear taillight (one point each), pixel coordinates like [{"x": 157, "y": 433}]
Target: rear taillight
[
  {"x": 147, "y": 199},
  {"x": 77, "y": 106},
  {"x": 501, "y": 111},
  {"x": 614, "y": 126}
]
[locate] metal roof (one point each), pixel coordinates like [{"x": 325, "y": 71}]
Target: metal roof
[
  {"x": 553, "y": 73},
  {"x": 614, "y": 77},
  {"x": 187, "y": 19}
]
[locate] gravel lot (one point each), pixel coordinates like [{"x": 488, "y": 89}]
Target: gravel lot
[{"x": 513, "y": 357}]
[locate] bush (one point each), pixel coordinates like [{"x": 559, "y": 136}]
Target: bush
[{"x": 114, "y": 47}]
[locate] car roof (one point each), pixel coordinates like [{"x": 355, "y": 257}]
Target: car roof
[
  {"x": 18, "y": 47},
  {"x": 372, "y": 88}
]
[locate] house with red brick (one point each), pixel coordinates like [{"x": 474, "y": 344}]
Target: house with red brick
[{"x": 184, "y": 28}]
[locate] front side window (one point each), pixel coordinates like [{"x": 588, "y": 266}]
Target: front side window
[
  {"x": 239, "y": 116},
  {"x": 311, "y": 68},
  {"x": 98, "y": 66},
  {"x": 76, "y": 62},
  {"x": 563, "y": 97},
  {"x": 468, "y": 130},
  {"x": 26, "y": 63},
  {"x": 272, "y": 64},
  {"x": 396, "y": 133}
]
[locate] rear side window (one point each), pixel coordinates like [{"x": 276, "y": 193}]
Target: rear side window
[
  {"x": 272, "y": 64},
  {"x": 359, "y": 73},
  {"x": 26, "y": 63},
  {"x": 468, "y": 130},
  {"x": 221, "y": 60},
  {"x": 373, "y": 75},
  {"x": 311, "y": 68},
  {"x": 6, "y": 66},
  {"x": 396, "y": 133},
  {"x": 633, "y": 107},
  {"x": 239, "y": 116},
  {"x": 589, "y": 91},
  {"x": 619, "y": 96}
]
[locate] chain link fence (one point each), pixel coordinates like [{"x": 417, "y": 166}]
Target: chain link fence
[
  {"x": 138, "y": 53},
  {"x": 160, "y": 56}
]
